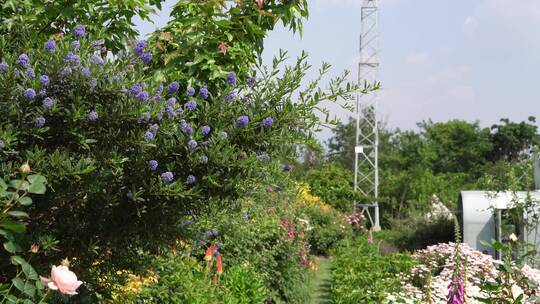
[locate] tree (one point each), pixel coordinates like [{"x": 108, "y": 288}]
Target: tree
[
  {"x": 512, "y": 141},
  {"x": 28, "y": 23},
  {"x": 456, "y": 145}
]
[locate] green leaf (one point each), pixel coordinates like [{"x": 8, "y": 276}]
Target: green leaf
[
  {"x": 18, "y": 283},
  {"x": 3, "y": 185},
  {"x": 37, "y": 184},
  {"x": 11, "y": 247},
  {"x": 18, "y": 213},
  {"x": 17, "y": 260},
  {"x": 13, "y": 226},
  {"x": 29, "y": 271},
  {"x": 25, "y": 201},
  {"x": 19, "y": 184}
]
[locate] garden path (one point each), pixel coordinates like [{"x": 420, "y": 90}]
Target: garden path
[{"x": 322, "y": 281}]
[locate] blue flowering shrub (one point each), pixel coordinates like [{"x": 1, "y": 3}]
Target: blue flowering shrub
[{"x": 127, "y": 151}]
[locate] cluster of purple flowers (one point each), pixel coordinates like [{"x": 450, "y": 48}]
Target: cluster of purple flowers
[
  {"x": 139, "y": 47},
  {"x": 173, "y": 87},
  {"x": 192, "y": 144},
  {"x": 167, "y": 177},
  {"x": 286, "y": 167},
  {"x": 96, "y": 59},
  {"x": 79, "y": 31},
  {"x": 191, "y": 105},
  {"x": 190, "y": 180},
  {"x": 29, "y": 94},
  {"x": 47, "y": 103},
  {"x": 136, "y": 89},
  {"x": 149, "y": 135},
  {"x": 267, "y": 122},
  {"x": 142, "y": 96},
  {"x": 190, "y": 91},
  {"x": 251, "y": 82},
  {"x": 39, "y": 121},
  {"x": 153, "y": 165},
  {"x": 73, "y": 58},
  {"x": 50, "y": 46},
  {"x": 23, "y": 60},
  {"x": 186, "y": 127},
  {"x": 231, "y": 96},
  {"x": 205, "y": 130},
  {"x": 93, "y": 116},
  {"x": 3, "y": 66},
  {"x": 75, "y": 44},
  {"x": 242, "y": 121},
  {"x": 44, "y": 79},
  {"x": 30, "y": 73},
  {"x": 154, "y": 128},
  {"x": 85, "y": 71},
  {"x": 203, "y": 92},
  {"x": 203, "y": 159},
  {"x": 146, "y": 57},
  {"x": 231, "y": 79}
]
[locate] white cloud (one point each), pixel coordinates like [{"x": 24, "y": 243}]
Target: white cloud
[{"x": 470, "y": 25}]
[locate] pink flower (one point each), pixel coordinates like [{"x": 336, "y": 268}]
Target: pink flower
[
  {"x": 223, "y": 47},
  {"x": 63, "y": 280},
  {"x": 260, "y": 3}
]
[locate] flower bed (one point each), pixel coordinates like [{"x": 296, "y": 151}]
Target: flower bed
[{"x": 428, "y": 281}]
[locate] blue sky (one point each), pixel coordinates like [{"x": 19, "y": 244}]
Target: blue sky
[{"x": 466, "y": 59}]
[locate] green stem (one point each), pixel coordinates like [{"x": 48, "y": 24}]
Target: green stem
[{"x": 44, "y": 296}]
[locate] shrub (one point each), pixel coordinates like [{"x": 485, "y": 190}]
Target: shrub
[
  {"x": 417, "y": 232},
  {"x": 363, "y": 275},
  {"x": 96, "y": 136},
  {"x": 327, "y": 228},
  {"x": 333, "y": 184}
]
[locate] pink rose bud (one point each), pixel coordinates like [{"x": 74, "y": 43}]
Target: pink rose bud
[
  {"x": 63, "y": 280},
  {"x": 34, "y": 248}
]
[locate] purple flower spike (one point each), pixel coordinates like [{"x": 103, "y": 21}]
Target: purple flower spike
[
  {"x": 93, "y": 116},
  {"x": 79, "y": 31},
  {"x": 139, "y": 47},
  {"x": 205, "y": 130},
  {"x": 44, "y": 79},
  {"x": 192, "y": 144},
  {"x": 231, "y": 79},
  {"x": 242, "y": 121},
  {"x": 47, "y": 103},
  {"x": 167, "y": 177},
  {"x": 153, "y": 165},
  {"x": 29, "y": 94},
  {"x": 50, "y": 46},
  {"x": 190, "y": 181},
  {"x": 191, "y": 105},
  {"x": 146, "y": 57},
  {"x": 173, "y": 87},
  {"x": 203, "y": 93},
  {"x": 142, "y": 96},
  {"x": 267, "y": 122},
  {"x": 149, "y": 136},
  {"x": 39, "y": 121}
]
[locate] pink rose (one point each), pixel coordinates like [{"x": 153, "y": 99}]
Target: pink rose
[{"x": 63, "y": 280}]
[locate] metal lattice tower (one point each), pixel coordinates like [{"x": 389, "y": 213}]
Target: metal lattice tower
[{"x": 366, "y": 171}]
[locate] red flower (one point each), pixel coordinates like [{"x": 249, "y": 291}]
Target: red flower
[
  {"x": 291, "y": 231},
  {"x": 219, "y": 264},
  {"x": 209, "y": 252}
]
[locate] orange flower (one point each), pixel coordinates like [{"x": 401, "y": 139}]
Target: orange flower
[
  {"x": 209, "y": 252},
  {"x": 219, "y": 264},
  {"x": 223, "y": 47}
]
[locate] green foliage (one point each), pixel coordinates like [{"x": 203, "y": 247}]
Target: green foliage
[
  {"x": 24, "y": 286},
  {"x": 243, "y": 285},
  {"x": 188, "y": 47},
  {"x": 417, "y": 232},
  {"x": 333, "y": 184},
  {"x": 511, "y": 141},
  {"x": 363, "y": 275},
  {"x": 29, "y": 23},
  {"x": 257, "y": 235},
  {"x": 327, "y": 228}
]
